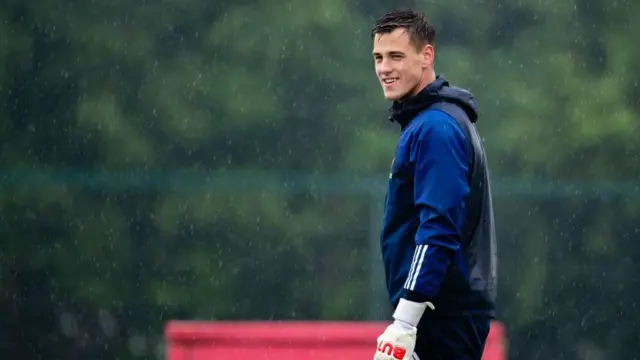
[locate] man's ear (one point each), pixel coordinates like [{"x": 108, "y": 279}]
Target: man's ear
[{"x": 427, "y": 56}]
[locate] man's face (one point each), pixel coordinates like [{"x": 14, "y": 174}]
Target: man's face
[{"x": 399, "y": 65}]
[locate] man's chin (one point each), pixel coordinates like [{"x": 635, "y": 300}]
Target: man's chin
[{"x": 393, "y": 95}]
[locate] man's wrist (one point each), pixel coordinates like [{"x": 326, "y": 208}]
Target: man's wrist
[{"x": 410, "y": 312}]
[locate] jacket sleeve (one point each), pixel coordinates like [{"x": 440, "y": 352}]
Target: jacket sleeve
[{"x": 440, "y": 155}]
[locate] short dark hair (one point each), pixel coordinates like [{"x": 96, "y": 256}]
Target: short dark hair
[{"x": 420, "y": 31}]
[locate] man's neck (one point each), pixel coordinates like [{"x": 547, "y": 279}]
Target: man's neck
[{"x": 427, "y": 78}]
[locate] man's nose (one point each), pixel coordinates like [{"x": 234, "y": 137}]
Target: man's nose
[{"x": 384, "y": 66}]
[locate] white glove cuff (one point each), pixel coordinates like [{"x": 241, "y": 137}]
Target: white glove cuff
[{"x": 411, "y": 312}]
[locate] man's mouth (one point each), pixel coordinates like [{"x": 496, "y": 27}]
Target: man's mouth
[{"x": 389, "y": 81}]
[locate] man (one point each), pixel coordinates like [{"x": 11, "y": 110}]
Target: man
[{"x": 438, "y": 238}]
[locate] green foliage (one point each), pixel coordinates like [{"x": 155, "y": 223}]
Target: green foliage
[{"x": 210, "y": 90}]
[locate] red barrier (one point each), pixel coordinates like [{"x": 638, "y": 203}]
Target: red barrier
[{"x": 288, "y": 340}]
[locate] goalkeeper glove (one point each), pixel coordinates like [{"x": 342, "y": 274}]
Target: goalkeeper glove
[{"x": 398, "y": 341}]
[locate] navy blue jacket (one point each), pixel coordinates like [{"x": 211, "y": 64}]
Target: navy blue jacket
[{"x": 438, "y": 238}]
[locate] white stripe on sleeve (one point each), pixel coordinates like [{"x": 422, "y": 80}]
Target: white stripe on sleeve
[
  {"x": 416, "y": 264},
  {"x": 413, "y": 265},
  {"x": 416, "y": 271}
]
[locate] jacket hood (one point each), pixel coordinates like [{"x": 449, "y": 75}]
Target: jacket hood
[{"x": 403, "y": 111}]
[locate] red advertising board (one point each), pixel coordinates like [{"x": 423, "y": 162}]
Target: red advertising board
[{"x": 288, "y": 340}]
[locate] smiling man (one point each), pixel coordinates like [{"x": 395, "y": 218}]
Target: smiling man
[{"x": 438, "y": 238}]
